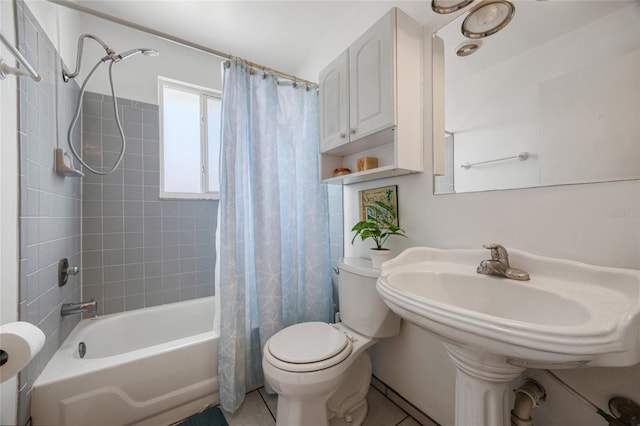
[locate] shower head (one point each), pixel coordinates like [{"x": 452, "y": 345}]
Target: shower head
[
  {"x": 145, "y": 51},
  {"x": 150, "y": 52}
]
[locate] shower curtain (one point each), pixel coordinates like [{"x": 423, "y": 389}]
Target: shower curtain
[{"x": 274, "y": 230}]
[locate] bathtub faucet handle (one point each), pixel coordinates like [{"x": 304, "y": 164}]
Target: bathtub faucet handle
[{"x": 65, "y": 270}]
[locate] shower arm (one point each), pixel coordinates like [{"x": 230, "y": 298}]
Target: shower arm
[{"x": 111, "y": 54}]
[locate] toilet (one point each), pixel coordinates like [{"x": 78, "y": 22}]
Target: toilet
[{"x": 321, "y": 372}]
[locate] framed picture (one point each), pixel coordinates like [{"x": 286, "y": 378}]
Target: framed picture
[{"x": 387, "y": 195}]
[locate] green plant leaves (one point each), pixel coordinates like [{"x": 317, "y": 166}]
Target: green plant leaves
[{"x": 378, "y": 228}]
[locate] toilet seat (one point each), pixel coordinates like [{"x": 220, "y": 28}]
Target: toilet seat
[{"x": 317, "y": 346}]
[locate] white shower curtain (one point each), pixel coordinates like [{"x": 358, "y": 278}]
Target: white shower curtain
[{"x": 274, "y": 229}]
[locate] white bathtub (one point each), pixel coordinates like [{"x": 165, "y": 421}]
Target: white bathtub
[{"x": 151, "y": 366}]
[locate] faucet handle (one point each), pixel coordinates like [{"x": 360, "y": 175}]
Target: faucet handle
[{"x": 498, "y": 252}]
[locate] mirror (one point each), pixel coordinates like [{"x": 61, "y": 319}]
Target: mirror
[{"x": 551, "y": 99}]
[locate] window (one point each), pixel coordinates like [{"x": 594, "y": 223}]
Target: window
[{"x": 189, "y": 141}]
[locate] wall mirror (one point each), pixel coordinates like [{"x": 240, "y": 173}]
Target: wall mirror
[{"x": 553, "y": 98}]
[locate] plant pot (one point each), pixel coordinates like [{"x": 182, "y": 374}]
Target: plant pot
[{"x": 378, "y": 256}]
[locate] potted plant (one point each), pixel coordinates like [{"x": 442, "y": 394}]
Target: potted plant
[{"x": 379, "y": 226}]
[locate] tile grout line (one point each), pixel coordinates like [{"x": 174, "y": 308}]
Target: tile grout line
[
  {"x": 265, "y": 403},
  {"x": 405, "y": 418},
  {"x": 394, "y": 403},
  {"x": 385, "y": 393}
]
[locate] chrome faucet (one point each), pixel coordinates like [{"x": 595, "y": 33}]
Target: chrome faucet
[
  {"x": 499, "y": 264},
  {"x": 88, "y": 307}
]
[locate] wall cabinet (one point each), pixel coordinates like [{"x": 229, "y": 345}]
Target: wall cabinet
[{"x": 371, "y": 102}]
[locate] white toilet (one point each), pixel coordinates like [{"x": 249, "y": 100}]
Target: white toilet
[{"x": 321, "y": 372}]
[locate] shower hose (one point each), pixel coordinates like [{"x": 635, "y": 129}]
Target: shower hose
[{"x": 115, "y": 111}]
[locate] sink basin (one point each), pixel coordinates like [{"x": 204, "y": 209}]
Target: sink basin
[
  {"x": 569, "y": 314},
  {"x": 493, "y": 299}
]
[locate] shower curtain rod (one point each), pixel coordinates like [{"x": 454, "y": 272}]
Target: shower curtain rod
[{"x": 84, "y": 9}]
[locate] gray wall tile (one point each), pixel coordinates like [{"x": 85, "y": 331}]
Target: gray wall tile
[
  {"x": 153, "y": 284},
  {"x": 50, "y": 214},
  {"x": 134, "y": 146},
  {"x": 171, "y": 296},
  {"x": 113, "y": 242},
  {"x": 134, "y": 286},
  {"x": 133, "y": 208},
  {"x": 112, "y": 306},
  {"x": 134, "y": 302},
  {"x": 113, "y": 290},
  {"x": 134, "y": 255},
  {"x": 132, "y": 114},
  {"x": 133, "y": 161},
  {"x": 159, "y": 259},
  {"x": 137, "y": 250},
  {"x": 153, "y": 298},
  {"x": 132, "y": 130}
]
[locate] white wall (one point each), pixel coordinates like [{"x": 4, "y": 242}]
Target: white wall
[
  {"x": 136, "y": 77},
  {"x": 61, "y": 24},
  {"x": 8, "y": 207},
  {"x": 577, "y": 222}
]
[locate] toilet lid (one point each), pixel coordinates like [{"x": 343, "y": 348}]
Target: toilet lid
[{"x": 309, "y": 346}]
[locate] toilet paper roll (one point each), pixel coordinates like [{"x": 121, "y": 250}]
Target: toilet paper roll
[{"x": 21, "y": 341}]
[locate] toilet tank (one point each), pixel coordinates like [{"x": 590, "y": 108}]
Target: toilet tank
[{"x": 361, "y": 308}]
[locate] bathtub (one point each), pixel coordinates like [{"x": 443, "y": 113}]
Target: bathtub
[{"x": 150, "y": 366}]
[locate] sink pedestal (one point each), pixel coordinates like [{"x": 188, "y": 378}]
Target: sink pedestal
[{"x": 482, "y": 387}]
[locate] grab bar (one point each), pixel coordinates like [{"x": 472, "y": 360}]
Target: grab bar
[
  {"x": 6, "y": 70},
  {"x": 520, "y": 157}
]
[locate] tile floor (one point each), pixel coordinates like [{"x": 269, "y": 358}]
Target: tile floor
[{"x": 259, "y": 409}]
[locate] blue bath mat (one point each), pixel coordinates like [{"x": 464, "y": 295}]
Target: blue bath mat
[{"x": 210, "y": 417}]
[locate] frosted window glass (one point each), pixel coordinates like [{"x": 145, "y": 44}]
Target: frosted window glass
[
  {"x": 181, "y": 138},
  {"x": 214, "y": 107}
]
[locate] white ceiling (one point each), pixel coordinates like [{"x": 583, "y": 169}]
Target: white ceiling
[{"x": 277, "y": 34}]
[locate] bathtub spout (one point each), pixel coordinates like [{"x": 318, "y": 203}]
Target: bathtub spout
[{"x": 77, "y": 308}]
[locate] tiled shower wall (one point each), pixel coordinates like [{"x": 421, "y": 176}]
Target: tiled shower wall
[
  {"x": 138, "y": 250},
  {"x": 50, "y": 205}
]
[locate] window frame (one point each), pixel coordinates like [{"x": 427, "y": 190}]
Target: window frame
[{"x": 204, "y": 93}]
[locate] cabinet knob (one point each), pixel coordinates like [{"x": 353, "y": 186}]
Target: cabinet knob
[
  {"x": 352, "y": 131},
  {"x": 342, "y": 135}
]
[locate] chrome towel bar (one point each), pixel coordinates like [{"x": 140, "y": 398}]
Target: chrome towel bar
[
  {"x": 521, "y": 157},
  {"x": 6, "y": 70}
]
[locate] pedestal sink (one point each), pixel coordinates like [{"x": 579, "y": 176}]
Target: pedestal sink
[{"x": 567, "y": 315}]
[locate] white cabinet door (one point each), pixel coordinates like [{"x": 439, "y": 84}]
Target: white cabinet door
[
  {"x": 334, "y": 103},
  {"x": 371, "y": 73}
]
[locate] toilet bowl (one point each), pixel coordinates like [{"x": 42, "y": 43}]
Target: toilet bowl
[{"x": 321, "y": 372}]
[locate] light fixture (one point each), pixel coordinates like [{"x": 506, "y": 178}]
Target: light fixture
[
  {"x": 449, "y": 6},
  {"x": 488, "y": 18},
  {"x": 467, "y": 48}
]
